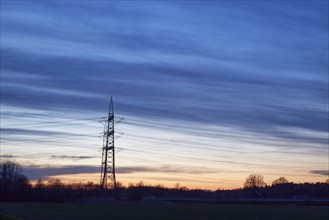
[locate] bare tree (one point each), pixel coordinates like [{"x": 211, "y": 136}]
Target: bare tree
[
  {"x": 55, "y": 183},
  {"x": 281, "y": 180},
  {"x": 254, "y": 181},
  {"x": 177, "y": 186},
  {"x": 39, "y": 184},
  {"x": 13, "y": 184},
  {"x": 11, "y": 173}
]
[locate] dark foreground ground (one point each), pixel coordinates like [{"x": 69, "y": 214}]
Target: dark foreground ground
[{"x": 159, "y": 211}]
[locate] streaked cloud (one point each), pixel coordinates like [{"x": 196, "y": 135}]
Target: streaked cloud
[
  {"x": 38, "y": 171},
  {"x": 221, "y": 79},
  {"x": 320, "y": 172},
  {"x": 7, "y": 156},
  {"x": 71, "y": 157}
]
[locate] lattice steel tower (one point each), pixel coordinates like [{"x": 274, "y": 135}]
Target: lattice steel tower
[{"x": 108, "y": 153}]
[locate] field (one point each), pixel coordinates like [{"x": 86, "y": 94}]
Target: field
[{"x": 159, "y": 211}]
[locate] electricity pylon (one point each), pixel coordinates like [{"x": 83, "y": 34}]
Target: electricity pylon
[{"x": 108, "y": 156}]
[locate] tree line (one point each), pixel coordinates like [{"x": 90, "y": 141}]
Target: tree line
[{"x": 14, "y": 186}]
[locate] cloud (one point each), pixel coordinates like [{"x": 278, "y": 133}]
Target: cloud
[
  {"x": 71, "y": 157},
  {"x": 45, "y": 135},
  {"x": 320, "y": 172},
  {"x": 7, "y": 156},
  {"x": 165, "y": 169},
  {"x": 238, "y": 93},
  {"x": 44, "y": 172},
  {"x": 20, "y": 131},
  {"x": 260, "y": 79},
  {"x": 38, "y": 171}
]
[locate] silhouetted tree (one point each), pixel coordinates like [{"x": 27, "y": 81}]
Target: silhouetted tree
[
  {"x": 15, "y": 188},
  {"x": 39, "y": 184},
  {"x": 281, "y": 180},
  {"x": 91, "y": 186},
  {"x": 55, "y": 183},
  {"x": 254, "y": 181},
  {"x": 119, "y": 184},
  {"x": 176, "y": 186},
  {"x": 11, "y": 173},
  {"x": 140, "y": 184},
  {"x": 13, "y": 184}
]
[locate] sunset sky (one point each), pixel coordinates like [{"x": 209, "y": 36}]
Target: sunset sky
[{"x": 205, "y": 92}]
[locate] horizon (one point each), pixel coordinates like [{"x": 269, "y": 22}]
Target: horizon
[{"x": 205, "y": 93}]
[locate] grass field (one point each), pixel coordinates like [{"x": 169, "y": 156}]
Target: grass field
[{"x": 159, "y": 211}]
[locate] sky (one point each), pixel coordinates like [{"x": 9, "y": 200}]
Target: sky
[{"x": 205, "y": 92}]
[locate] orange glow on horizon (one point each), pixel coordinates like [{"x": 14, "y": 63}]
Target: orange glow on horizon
[{"x": 126, "y": 180}]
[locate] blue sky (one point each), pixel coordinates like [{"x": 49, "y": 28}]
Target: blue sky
[{"x": 206, "y": 90}]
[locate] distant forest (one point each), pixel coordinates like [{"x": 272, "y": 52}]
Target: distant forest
[{"x": 15, "y": 187}]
